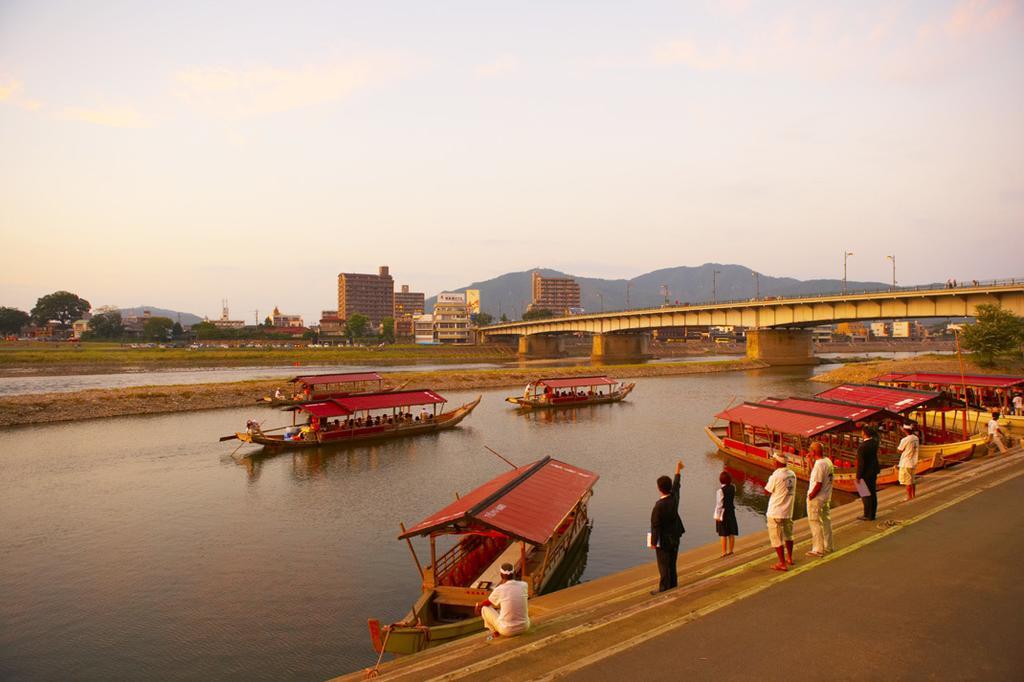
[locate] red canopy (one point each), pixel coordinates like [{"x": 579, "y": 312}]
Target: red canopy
[
  {"x": 830, "y": 408},
  {"x": 376, "y": 401},
  {"x": 781, "y": 420},
  {"x": 893, "y": 399},
  {"x": 328, "y": 408},
  {"x": 348, "y": 378},
  {"x": 528, "y": 503},
  {"x": 574, "y": 382},
  {"x": 986, "y": 380}
]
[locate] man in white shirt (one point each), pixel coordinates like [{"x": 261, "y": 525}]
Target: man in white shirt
[
  {"x": 819, "y": 501},
  {"x": 781, "y": 486},
  {"x": 1018, "y": 404},
  {"x": 505, "y": 611},
  {"x": 908, "y": 448},
  {"x": 995, "y": 434}
]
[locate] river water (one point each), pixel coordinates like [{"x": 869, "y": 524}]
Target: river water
[{"x": 137, "y": 547}]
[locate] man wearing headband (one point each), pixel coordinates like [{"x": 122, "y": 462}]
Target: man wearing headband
[
  {"x": 505, "y": 611},
  {"x": 781, "y": 486},
  {"x": 908, "y": 449}
]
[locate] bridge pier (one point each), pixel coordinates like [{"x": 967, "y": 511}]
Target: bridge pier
[
  {"x": 780, "y": 346},
  {"x": 621, "y": 347},
  {"x": 536, "y": 346}
]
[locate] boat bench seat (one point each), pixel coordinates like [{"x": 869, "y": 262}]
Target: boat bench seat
[{"x": 490, "y": 578}]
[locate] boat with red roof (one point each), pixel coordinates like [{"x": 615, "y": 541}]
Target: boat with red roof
[
  {"x": 556, "y": 392},
  {"x": 534, "y": 517},
  {"x": 316, "y": 387},
  {"x": 980, "y": 393},
  {"x": 359, "y": 417},
  {"x": 755, "y": 431}
]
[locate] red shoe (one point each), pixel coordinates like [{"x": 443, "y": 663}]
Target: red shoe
[
  {"x": 789, "y": 560},
  {"x": 779, "y": 567}
]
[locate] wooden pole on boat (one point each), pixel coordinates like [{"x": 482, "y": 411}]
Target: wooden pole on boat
[
  {"x": 963, "y": 378},
  {"x": 502, "y": 458},
  {"x": 412, "y": 550}
]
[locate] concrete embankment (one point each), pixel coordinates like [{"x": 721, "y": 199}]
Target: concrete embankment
[
  {"x": 90, "y": 404},
  {"x": 875, "y": 608}
]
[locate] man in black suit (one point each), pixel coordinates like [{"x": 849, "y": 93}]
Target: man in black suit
[
  {"x": 666, "y": 529},
  {"x": 867, "y": 470}
]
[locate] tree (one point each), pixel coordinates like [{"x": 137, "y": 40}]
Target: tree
[
  {"x": 355, "y": 326},
  {"x": 504, "y": 317},
  {"x": 12, "y": 320},
  {"x": 106, "y": 326},
  {"x": 995, "y": 332},
  {"x": 62, "y": 306},
  {"x": 537, "y": 315},
  {"x": 387, "y": 329},
  {"x": 484, "y": 319},
  {"x": 157, "y": 328},
  {"x": 177, "y": 330}
]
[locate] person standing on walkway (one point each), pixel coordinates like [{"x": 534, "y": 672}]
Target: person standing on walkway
[
  {"x": 505, "y": 611},
  {"x": 908, "y": 449},
  {"x": 667, "y": 529},
  {"x": 819, "y": 501},
  {"x": 1018, "y": 404},
  {"x": 995, "y": 434},
  {"x": 781, "y": 486},
  {"x": 867, "y": 471},
  {"x": 725, "y": 513}
]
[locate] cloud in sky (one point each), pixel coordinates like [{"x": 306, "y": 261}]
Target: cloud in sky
[
  {"x": 248, "y": 92},
  {"x": 12, "y": 92},
  {"x": 109, "y": 116},
  {"x": 502, "y": 66}
]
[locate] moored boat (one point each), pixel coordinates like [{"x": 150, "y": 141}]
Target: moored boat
[
  {"x": 559, "y": 392},
  {"x": 360, "y": 417},
  {"x": 981, "y": 394},
  {"x": 311, "y": 388},
  {"x": 533, "y": 517},
  {"x": 755, "y": 432}
]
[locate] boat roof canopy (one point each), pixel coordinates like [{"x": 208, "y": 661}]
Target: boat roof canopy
[
  {"x": 376, "y": 401},
  {"x": 347, "y": 378},
  {"x": 528, "y": 503},
  {"x": 984, "y": 380},
  {"x": 781, "y": 420},
  {"x": 573, "y": 382},
  {"x": 831, "y": 408},
  {"x": 327, "y": 408},
  {"x": 898, "y": 400}
]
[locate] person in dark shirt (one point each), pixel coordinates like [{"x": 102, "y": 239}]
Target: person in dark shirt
[
  {"x": 667, "y": 529},
  {"x": 867, "y": 470}
]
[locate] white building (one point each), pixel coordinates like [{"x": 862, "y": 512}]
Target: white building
[
  {"x": 423, "y": 329},
  {"x": 901, "y": 330},
  {"x": 879, "y": 329},
  {"x": 451, "y": 318}
]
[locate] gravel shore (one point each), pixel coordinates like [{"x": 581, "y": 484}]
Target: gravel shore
[{"x": 92, "y": 404}]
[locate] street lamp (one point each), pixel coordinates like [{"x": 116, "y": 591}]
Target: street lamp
[
  {"x": 714, "y": 285},
  {"x": 846, "y": 254},
  {"x": 757, "y": 285},
  {"x": 893, "y": 259}
]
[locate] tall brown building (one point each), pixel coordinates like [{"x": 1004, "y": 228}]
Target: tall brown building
[
  {"x": 369, "y": 295},
  {"x": 557, "y": 294}
]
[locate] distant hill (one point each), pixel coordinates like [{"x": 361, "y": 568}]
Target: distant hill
[
  {"x": 511, "y": 292},
  {"x": 187, "y": 319}
]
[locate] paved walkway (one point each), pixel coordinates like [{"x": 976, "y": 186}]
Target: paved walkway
[{"x": 940, "y": 599}]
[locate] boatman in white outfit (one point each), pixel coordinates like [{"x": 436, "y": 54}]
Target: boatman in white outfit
[
  {"x": 781, "y": 486},
  {"x": 819, "y": 501},
  {"x": 995, "y": 434},
  {"x": 909, "y": 448},
  {"x": 505, "y": 611}
]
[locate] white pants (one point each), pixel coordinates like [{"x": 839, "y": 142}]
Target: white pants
[
  {"x": 819, "y": 518},
  {"x": 998, "y": 440},
  {"x": 490, "y": 616}
]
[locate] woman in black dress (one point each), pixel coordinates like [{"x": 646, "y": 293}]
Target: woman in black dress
[{"x": 725, "y": 513}]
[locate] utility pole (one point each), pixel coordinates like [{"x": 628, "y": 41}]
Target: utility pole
[
  {"x": 629, "y": 285},
  {"x": 714, "y": 285},
  {"x": 757, "y": 285},
  {"x": 664, "y": 293},
  {"x": 893, "y": 259},
  {"x": 600, "y": 297},
  {"x": 846, "y": 254},
  {"x": 257, "y": 314}
]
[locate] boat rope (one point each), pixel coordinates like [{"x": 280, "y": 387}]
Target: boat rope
[{"x": 375, "y": 670}]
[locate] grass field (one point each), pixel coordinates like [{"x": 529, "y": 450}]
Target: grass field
[{"x": 49, "y": 357}]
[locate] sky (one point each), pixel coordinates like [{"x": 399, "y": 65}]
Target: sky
[{"x": 175, "y": 154}]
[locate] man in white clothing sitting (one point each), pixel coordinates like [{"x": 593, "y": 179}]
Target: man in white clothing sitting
[{"x": 505, "y": 611}]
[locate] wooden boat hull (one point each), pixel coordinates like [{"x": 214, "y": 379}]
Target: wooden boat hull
[
  {"x": 977, "y": 420},
  {"x": 562, "y": 403},
  {"x": 930, "y": 457},
  {"x": 443, "y": 421}
]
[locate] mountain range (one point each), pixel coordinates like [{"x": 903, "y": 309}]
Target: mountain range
[
  {"x": 510, "y": 293},
  {"x": 186, "y": 319}
]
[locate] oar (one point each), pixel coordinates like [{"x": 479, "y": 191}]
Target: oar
[
  {"x": 235, "y": 435},
  {"x": 502, "y": 458}
]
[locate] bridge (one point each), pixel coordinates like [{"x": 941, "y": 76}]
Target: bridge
[{"x": 778, "y": 327}]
